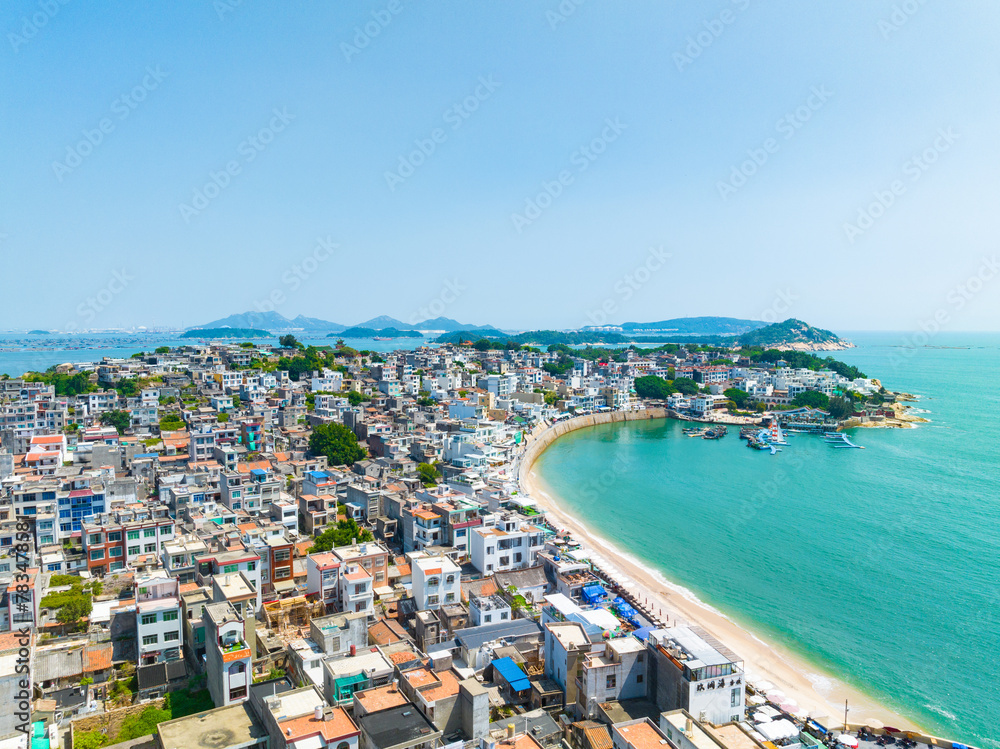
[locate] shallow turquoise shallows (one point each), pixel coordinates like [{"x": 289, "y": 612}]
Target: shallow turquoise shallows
[{"x": 881, "y": 566}]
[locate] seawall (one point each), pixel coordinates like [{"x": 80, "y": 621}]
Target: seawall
[{"x": 542, "y": 438}]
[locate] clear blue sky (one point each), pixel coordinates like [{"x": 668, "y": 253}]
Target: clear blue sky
[{"x": 692, "y": 87}]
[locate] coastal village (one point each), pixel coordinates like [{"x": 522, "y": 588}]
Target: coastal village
[{"x": 238, "y": 545}]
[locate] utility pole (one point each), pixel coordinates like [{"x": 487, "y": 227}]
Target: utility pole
[{"x": 845, "y": 716}]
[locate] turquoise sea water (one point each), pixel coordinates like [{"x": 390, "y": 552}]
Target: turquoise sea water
[{"x": 881, "y": 566}]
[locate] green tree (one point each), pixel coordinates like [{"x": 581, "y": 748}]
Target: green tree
[
  {"x": 162, "y": 350},
  {"x": 740, "y": 398},
  {"x": 840, "y": 408},
  {"x": 685, "y": 385},
  {"x": 289, "y": 341},
  {"x": 811, "y": 399},
  {"x": 428, "y": 474},
  {"x": 355, "y": 398},
  {"x": 338, "y": 443},
  {"x": 120, "y": 420},
  {"x": 172, "y": 423},
  {"x": 652, "y": 386},
  {"x": 127, "y": 387},
  {"x": 342, "y": 534}
]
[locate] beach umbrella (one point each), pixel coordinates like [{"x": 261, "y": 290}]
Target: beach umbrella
[
  {"x": 890, "y": 729},
  {"x": 763, "y": 686},
  {"x": 776, "y": 696},
  {"x": 874, "y": 724},
  {"x": 847, "y": 740},
  {"x": 789, "y": 706}
]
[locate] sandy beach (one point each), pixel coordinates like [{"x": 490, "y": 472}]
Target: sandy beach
[{"x": 815, "y": 692}]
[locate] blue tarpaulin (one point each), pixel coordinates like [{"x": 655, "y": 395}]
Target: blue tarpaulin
[
  {"x": 594, "y": 593},
  {"x": 512, "y": 674}
]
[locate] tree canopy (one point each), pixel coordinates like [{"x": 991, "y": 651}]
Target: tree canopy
[
  {"x": 120, "y": 420},
  {"x": 342, "y": 534},
  {"x": 338, "y": 443}
]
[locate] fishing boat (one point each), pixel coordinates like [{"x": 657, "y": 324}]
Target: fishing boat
[
  {"x": 695, "y": 432},
  {"x": 748, "y": 432},
  {"x": 716, "y": 433}
]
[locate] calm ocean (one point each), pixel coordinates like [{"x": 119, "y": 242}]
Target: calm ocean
[{"x": 881, "y": 566}]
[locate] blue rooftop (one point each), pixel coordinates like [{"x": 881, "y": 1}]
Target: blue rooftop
[
  {"x": 512, "y": 674},
  {"x": 258, "y": 472}
]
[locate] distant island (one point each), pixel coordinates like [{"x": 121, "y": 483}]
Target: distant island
[
  {"x": 359, "y": 332},
  {"x": 226, "y": 333},
  {"x": 790, "y": 335},
  {"x": 793, "y": 335},
  {"x": 39, "y": 332}
]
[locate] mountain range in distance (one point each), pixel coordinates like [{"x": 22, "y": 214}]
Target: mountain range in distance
[
  {"x": 791, "y": 333},
  {"x": 275, "y": 321}
]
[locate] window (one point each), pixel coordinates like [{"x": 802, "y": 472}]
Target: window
[
  {"x": 450, "y": 579},
  {"x": 282, "y": 572},
  {"x": 734, "y": 699},
  {"x": 640, "y": 658},
  {"x": 115, "y": 551},
  {"x": 433, "y": 581},
  {"x": 132, "y": 535},
  {"x": 611, "y": 681},
  {"x": 503, "y": 616},
  {"x": 95, "y": 538},
  {"x": 281, "y": 555},
  {"x": 143, "y": 591},
  {"x": 230, "y": 568},
  {"x": 97, "y": 554},
  {"x": 432, "y": 600},
  {"x": 149, "y": 533},
  {"x": 251, "y": 566},
  {"x": 149, "y": 618},
  {"x": 114, "y": 536},
  {"x": 170, "y": 636},
  {"x": 449, "y": 598},
  {"x": 638, "y": 679},
  {"x": 170, "y": 616},
  {"x": 150, "y": 639},
  {"x": 150, "y": 548},
  {"x": 133, "y": 550}
]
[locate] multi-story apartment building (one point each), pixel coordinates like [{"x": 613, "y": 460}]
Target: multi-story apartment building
[
  {"x": 437, "y": 581},
  {"x": 511, "y": 544},
  {"x": 228, "y": 658},
  {"x": 157, "y": 614},
  {"x": 323, "y": 579}
]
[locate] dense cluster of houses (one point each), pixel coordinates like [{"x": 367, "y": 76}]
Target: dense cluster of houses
[{"x": 452, "y": 613}]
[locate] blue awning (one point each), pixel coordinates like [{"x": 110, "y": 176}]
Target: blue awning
[
  {"x": 593, "y": 593},
  {"x": 512, "y": 674}
]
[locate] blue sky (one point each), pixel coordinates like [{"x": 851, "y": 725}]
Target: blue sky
[{"x": 523, "y": 164}]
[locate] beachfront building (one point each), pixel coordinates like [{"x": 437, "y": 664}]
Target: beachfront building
[
  {"x": 693, "y": 671},
  {"x": 510, "y": 544}
]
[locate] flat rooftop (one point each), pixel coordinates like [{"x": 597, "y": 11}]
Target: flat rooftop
[
  {"x": 398, "y": 726},
  {"x": 221, "y": 727}
]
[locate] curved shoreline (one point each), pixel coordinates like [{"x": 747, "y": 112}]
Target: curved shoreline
[{"x": 792, "y": 673}]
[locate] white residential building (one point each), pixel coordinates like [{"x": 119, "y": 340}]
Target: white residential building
[{"x": 436, "y": 582}]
